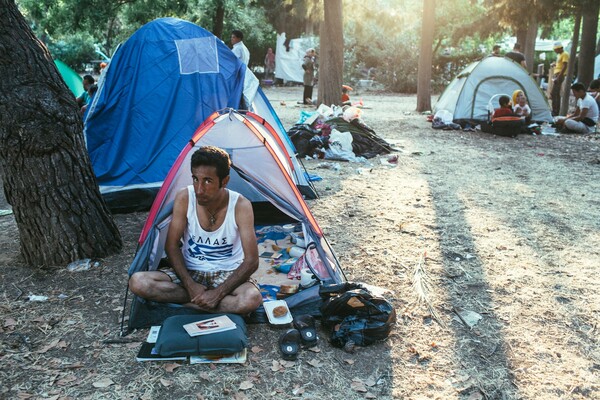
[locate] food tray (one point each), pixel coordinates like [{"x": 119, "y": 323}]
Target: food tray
[{"x": 270, "y": 305}]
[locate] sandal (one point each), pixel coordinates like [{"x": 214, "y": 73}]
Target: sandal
[
  {"x": 289, "y": 344},
  {"x": 305, "y": 324}
]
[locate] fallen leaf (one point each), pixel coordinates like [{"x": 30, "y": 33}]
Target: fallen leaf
[
  {"x": 370, "y": 382},
  {"x": 256, "y": 349},
  {"x": 370, "y": 395},
  {"x": 212, "y": 366},
  {"x": 166, "y": 382},
  {"x": 49, "y": 346},
  {"x": 240, "y": 396},
  {"x": 275, "y": 366},
  {"x": 314, "y": 349},
  {"x": 205, "y": 376},
  {"x": 103, "y": 383},
  {"x": 475, "y": 396},
  {"x": 10, "y": 322},
  {"x": 62, "y": 344},
  {"x": 358, "y": 386},
  {"x": 39, "y": 319},
  {"x": 349, "y": 361},
  {"x": 23, "y": 395},
  {"x": 67, "y": 380},
  {"x": 171, "y": 367},
  {"x": 199, "y": 396},
  {"x": 314, "y": 362},
  {"x": 245, "y": 385},
  {"x": 287, "y": 364}
]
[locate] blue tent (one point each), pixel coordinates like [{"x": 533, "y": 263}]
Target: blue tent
[{"x": 161, "y": 84}]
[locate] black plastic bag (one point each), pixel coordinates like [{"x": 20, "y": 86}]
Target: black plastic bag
[{"x": 352, "y": 313}]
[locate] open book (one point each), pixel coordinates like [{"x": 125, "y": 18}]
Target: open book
[{"x": 211, "y": 325}]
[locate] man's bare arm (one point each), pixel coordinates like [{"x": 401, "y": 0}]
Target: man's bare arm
[{"x": 172, "y": 244}]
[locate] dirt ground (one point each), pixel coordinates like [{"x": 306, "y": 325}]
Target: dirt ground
[{"x": 489, "y": 246}]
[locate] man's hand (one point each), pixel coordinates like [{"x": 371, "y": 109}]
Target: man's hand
[
  {"x": 195, "y": 290},
  {"x": 208, "y": 299}
]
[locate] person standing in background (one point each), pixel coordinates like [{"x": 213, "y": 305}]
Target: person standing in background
[
  {"x": 560, "y": 70},
  {"x": 517, "y": 56},
  {"x": 269, "y": 64},
  {"x": 308, "y": 65},
  {"x": 239, "y": 48}
]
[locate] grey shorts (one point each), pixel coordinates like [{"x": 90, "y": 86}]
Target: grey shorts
[{"x": 209, "y": 279}]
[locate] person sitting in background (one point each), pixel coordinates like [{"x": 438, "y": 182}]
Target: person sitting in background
[
  {"x": 91, "y": 92},
  {"x": 345, "y": 95},
  {"x": 84, "y": 98},
  {"x": 505, "y": 109},
  {"x": 520, "y": 106},
  {"x": 585, "y": 117}
]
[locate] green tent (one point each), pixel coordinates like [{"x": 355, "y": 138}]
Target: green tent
[{"x": 71, "y": 78}]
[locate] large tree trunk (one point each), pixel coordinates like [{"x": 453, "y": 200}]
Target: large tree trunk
[
  {"x": 426, "y": 57},
  {"x": 566, "y": 93},
  {"x": 331, "y": 57},
  {"x": 219, "y": 20},
  {"x": 587, "y": 51},
  {"x": 529, "y": 45},
  {"x": 48, "y": 178}
]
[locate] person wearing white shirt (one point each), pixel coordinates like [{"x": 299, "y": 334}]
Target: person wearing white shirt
[
  {"x": 585, "y": 117},
  {"x": 239, "y": 48}
]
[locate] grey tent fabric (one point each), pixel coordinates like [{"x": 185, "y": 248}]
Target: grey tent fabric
[{"x": 467, "y": 96}]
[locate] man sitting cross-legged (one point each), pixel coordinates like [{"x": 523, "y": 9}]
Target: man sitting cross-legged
[{"x": 212, "y": 268}]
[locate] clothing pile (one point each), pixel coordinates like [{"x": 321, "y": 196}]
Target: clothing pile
[{"x": 336, "y": 133}]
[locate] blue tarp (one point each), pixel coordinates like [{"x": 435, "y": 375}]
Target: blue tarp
[{"x": 161, "y": 84}]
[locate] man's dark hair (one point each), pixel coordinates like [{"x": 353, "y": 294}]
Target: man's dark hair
[
  {"x": 89, "y": 79},
  {"x": 595, "y": 84},
  {"x": 504, "y": 100},
  {"x": 213, "y": 157},
  {"x": 517, "y": 46},
  {"x": 92, "y": 90},
  {"x": 496, "y": 47},
  {"x": 238, "y": 34},
  {"x": 578, "y": 87}
]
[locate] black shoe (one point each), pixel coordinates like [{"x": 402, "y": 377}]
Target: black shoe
[
  {"x": 289, "y": 344},
  {"x": 305, "y": 324}
]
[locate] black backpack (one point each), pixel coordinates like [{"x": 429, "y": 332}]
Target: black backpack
[{"x": 352, "y": 313}]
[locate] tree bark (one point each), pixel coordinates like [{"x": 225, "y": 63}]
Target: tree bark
[
  {"x": 587, "y": 51},
  {"x": 48, "y": 178},
  {"x": 219, "y": 20},
  {"x": 566, "y": 89},
  {"x": 426, "y": 57},
  {"x": 529, "y": 49},
  {"x": 331, "y": 57}
]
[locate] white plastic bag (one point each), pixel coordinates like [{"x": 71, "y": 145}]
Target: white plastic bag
[{"x": 351, "y": 113}]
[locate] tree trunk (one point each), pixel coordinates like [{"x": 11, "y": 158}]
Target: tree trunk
[
  {"x": 587, "y": 51},
  {"x": 521, "y": 35},
  {"x": 529, "y": 49},
  {"x": 426, "y": 57},
  {"x": 219, "y": 19},
  {"x": 331, "y": 57},
  {"x": 566, "y": 93},
  {"x": 48, "y": 178}
]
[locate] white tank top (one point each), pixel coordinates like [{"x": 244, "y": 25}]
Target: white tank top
[{"x": 220, "y": 250}]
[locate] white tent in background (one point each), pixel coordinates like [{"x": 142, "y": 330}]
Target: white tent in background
[{"x": 288, "y": 61}]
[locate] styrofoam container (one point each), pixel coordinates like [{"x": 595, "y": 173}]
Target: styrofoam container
[{"x": 270, "y": 305}]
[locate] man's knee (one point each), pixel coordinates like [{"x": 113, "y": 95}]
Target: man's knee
[
  {"x": 139, "y": 283},
  {"x": 575, "y": 126},
  {"x": 250, "y": 298}
]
